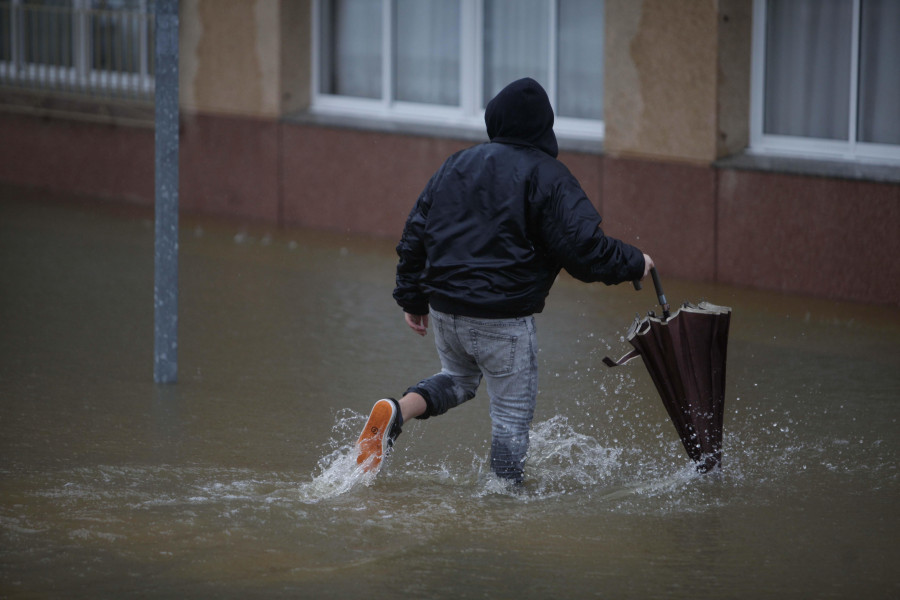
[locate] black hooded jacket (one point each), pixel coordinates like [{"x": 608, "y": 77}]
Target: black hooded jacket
[{"x": 496, "y": 223}]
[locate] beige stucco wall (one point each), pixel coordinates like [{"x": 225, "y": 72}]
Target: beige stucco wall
[
  {"x": 673, "y": 89},
  {"x": 733, "y": 107},
  {"x": 296, "y": 55},
  {"x": 243, "y": 57}
]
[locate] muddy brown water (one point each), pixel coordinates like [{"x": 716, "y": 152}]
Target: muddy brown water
[{"x": 239, "y": 482}]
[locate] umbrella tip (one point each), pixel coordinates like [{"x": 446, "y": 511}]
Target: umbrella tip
[{"x": 709, "y": 464}]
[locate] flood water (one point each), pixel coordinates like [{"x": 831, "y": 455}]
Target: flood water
[{"x": 239, "y": 481}]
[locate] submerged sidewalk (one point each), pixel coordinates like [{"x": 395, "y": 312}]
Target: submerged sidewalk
[{"x": 110, "y": 483}]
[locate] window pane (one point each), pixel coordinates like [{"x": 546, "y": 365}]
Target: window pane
[
  {"x": 427, "y": 51},
  {"x": 808, "y": 50},
  {"x": 351, "y": 48},
  {"x": 516, "y": 43},
  {"x": 47, "y": 32},
  {"x": 879, "y": 72},
  {"x": 115, "y": 30},
  {"x": 580, "y": 59},
  {"x": 5, "y": 33}
]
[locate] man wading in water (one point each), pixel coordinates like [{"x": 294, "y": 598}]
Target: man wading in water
[{"x": 479, "y": 253}]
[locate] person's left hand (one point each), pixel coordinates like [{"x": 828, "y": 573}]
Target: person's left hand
[{"x": 418, "y": 323}]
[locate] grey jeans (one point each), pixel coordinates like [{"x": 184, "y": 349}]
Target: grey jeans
[{"x": 504, "y": 353}]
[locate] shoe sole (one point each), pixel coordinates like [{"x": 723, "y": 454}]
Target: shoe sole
[{"x": 374, "y": 442}]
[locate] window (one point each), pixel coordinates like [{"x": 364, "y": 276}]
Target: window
[
  {"x": 440, "y": 61},
  {"x": 825, "y": 78},
  {"x": 96, "y": 47},
  {"x": 427, "y": 52}
]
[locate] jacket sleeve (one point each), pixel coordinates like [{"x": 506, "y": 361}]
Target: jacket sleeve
[
  {"x": 411, "y": 267},
  {"x": 570, "y": 228}
]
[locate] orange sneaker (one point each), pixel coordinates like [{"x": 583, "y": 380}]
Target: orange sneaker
[{"x": 378, "y": 435}]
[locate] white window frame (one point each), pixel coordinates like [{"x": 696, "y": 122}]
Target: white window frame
[
  {"x": 469, "y": 114},
  {"x": 81, "y": 77},
  {"x": 769, "y": 144}
]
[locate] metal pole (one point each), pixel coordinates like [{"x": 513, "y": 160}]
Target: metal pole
[{"x": 165, "y": 289}]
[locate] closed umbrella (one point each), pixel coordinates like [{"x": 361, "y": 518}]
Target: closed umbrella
[{"x": 685, "y": 354}]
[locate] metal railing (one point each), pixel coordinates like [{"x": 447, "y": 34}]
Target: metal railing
[{"x": 96, "y": 48}]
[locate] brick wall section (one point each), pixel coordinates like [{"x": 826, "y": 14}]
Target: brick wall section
[
  {"x": 228, "y": 166},
  {"x": 356, "y": 181},
  {"x": 827, "y": 237},
  {"x": 86, "y": 158},
  {"x": 813, "y": 235},
  {"x": 346, "y": 180},
  {"x": 666, "y": 209}
]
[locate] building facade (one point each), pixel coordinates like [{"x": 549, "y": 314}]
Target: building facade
[{"x": 749, "y": 142}]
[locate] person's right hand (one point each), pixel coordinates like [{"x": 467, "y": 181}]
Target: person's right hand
[{"x": 648, "y": 264}]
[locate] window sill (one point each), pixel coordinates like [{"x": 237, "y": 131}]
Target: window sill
[
  {"x": 78, "y": 108},
  {"x": 469, "y": 132},
  {"x": 836, "y": 169}
]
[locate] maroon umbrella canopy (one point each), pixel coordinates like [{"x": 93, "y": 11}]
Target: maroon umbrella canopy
[{"x": 685, "y": 355}]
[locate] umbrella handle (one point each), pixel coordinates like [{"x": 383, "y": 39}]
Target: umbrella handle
[{"x": 659, "y": 293}]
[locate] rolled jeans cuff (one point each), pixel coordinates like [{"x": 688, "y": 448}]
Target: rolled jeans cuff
[{"x": 440, "y": 393}]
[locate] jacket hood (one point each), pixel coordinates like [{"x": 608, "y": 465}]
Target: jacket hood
[{"x": 522, "y": 112}]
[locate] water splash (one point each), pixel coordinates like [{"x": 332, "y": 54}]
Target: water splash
[
  {"x": 338, "y": 472},
  {"x": 561, "y": 460},
  {"x": 622, "y": 454}
]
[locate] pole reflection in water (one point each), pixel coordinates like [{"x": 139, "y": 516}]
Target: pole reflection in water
[{"x": 240, "y": 480}]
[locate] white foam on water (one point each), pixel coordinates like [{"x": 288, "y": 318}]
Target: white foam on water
[
  {"x": 338, "y": 472},
  {"x": 561, "y": 460},
  {"x": 632, "y": 463}
]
